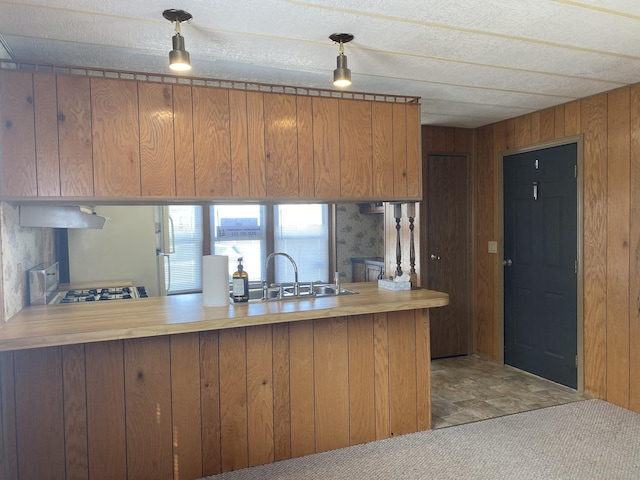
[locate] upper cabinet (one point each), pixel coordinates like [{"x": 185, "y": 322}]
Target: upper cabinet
[
  {"x": 211, "y": 142},
  {"x": 17, "y": 137},
  {"x": 157, "y": 140},
  {"x": 75, "y": 139},
  {"x": 326, "y": 146},
  {"x": 94, "y": 137},
  {"x": 116, "y": 137},
  {"x": 356, "y": 153},
  {"x": 281, "y": 145}
]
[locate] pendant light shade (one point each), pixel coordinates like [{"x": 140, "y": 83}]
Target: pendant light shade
[
  {"x": 179, "y": 59},
  {"x": 342, "y": 74}
]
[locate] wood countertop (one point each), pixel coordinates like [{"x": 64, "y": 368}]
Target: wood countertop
[{"x": 52, "y": 325}]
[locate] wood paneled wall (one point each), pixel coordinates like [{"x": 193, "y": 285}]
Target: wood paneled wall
[
  {"x": 192, "y": 405},
  {"x": 610, "y": 125}
]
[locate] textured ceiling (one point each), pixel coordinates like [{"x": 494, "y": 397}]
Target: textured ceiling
[{"x": 471, "y": 62}]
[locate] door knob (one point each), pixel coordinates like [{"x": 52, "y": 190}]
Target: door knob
[
  {"x": 507, "y": 262},
  {"x": 434, "y": 257}
]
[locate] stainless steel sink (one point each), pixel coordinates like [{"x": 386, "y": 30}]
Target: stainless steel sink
[
  {"x": 262, "y": 292},
  {"x": 284, "y": 292}
]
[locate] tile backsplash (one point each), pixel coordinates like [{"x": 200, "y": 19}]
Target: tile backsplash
[{"x": 21, "y": 249}]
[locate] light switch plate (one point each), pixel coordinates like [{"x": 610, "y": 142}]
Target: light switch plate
[{"x": 493, "y": 246}]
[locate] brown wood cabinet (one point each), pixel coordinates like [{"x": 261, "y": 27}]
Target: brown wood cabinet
[
  {"x": 157, "y": 147},
  {"x": 356, "y": 153},
  {"x": 372, "y": 272},
  {"x": 46, "y": 134},
  {"x": 116, "y": 137},
  {"x": 255, "y": 141},
  {"x": 183, "y": 140},
  {"x": 17, "y": 135},
  {"x": 75, "y": 138},
  {"x": 326, "y": 147},
  {"x": 81, "y": 136},
  {"x": 367, "y": 270},
  {"x": 281, "y": 145},
  {"x": 211, "y": 142},
  {"x": 239, "y": 143}
]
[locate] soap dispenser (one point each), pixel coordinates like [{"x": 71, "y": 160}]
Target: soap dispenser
[{"x": 240, "y": 290}]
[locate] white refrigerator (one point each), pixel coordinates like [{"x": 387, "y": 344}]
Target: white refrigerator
[{"x": 133, "y": 245}]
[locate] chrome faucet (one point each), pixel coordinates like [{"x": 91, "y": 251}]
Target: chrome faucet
[{"x": 296, "y": 284}]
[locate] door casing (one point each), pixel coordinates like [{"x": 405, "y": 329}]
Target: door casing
[{"x": 578, "y": 140}]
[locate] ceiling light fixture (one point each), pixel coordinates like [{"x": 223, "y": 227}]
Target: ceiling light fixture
[
  {"x": 341, "y": 75},
  {"x": 178, "y": 57}
]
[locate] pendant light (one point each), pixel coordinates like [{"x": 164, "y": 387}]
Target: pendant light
[
  {"x": 178, "y": 57},
  {"x": 342, "y": 74}
]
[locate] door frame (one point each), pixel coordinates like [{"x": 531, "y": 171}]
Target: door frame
[{"x": 578, "y": 140}]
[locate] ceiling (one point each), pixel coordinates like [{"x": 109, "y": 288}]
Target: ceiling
[{"x": 471, "y": 62}]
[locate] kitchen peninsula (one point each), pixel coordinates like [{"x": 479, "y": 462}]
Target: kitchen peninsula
[{"x": 166, "y": 388}]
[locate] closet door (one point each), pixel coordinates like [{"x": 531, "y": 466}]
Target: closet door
[{"x": 447, "y": 259}]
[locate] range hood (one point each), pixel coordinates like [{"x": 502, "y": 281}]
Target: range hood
[{"x": 56, "y": 216}]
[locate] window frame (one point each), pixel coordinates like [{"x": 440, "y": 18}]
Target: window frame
[{"x": 269, "y": 233}]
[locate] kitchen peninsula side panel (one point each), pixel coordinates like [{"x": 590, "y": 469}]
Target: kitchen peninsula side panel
[{"x": 188, "y": 405}]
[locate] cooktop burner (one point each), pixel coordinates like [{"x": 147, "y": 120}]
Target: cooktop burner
[{"x": 100, "y": 294}]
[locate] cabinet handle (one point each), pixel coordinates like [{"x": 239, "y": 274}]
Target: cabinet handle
[{"x": 434, "y": 257}]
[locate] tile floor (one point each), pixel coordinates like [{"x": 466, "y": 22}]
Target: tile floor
[{"x": 467, "y": 389}]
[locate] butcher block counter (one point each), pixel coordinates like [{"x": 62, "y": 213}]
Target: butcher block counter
[
  {"x": 166, "y": 388},
  {"x": 98, "y": 321}
]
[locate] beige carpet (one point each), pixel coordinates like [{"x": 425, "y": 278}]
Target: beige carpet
[{"x": 590, "y": 439}]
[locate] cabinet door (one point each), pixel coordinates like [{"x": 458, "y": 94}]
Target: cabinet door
[
  {"x": 116, "y": 137},
  {"x": 326, "y": 147},
  {"x": 183, "y": 138},
  {"x": 372, "y": 273},
  {"x": 306, "y": 188},
  {"x": 74, "y": 136},
  {"x": 399, "y": 150},
  {"x": 17, "y": 135},
  {"x": 414, "y": 165},
  {"x": 359, "y": 273},
  {"x": 383, "y": 167},
  {"x": 211, "y": 144},
  {"x": 239, "y": 143},
  {"x": 356, "y": 180},
  {"x": 255, "y": 139},
  {"x": 281, "y": 138},
  {"x": 157, "y": 152},
  {"x": 46, "y": 131}
]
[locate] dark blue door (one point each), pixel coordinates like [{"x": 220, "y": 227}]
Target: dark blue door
[{"x": 540, "y": 249}]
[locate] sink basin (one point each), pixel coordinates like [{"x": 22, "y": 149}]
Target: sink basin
[
  {"x": 323, "y": 290},
  {"x": 285, "y": 292}
]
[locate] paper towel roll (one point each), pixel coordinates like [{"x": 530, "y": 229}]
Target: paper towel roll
[{"x": 215, "y": 280}]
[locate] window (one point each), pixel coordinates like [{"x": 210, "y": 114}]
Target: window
[
  {"x": 254, "y": 231},
  {"x": 251, "y": 232},
  {"x": 239, "y": 231},
  {"x": 302, "y": 231},
  {"x": 183, "y": 268}
]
